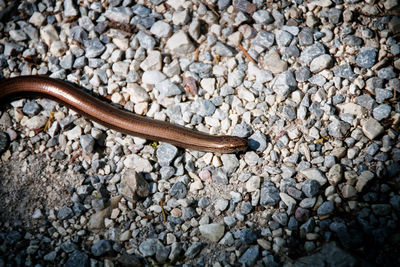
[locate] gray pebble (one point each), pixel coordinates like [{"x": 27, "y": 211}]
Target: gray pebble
[
  {"x": 387, "y": 73},
  {"x": 230, "y": 163},
  {"x": 366, "y": 58},
  {"x": 31, "y": 108},
  {"x": 303, "y": 74},
  {"x": 93, "y": 48},
  {"x": 101, "y": 247},
  {"x": 258, "y": 141},
  {"x": 178, "y": 190},
  {"x": 167, "y": 172},
  {"x": 264, "y": 39},
  {"x": 382, "y": 94},
  {"x": 64, "y": 213},
  {"x": 166, "y": 154},
  {"x": 194, "y": 249},
  {"x": 167, "y": 88},
  {"x": 223, "y": 50},
  {"x": 311, "y": 52},
  {"x": 269, "y": 196},
  {"x": 382, "y": 111},
  {"x": 250, "y": 257},
  {"x": 326, "y": 208},
  {"x": 344, "y": 71},
  {"x": 87, "y": 142},
  {"x": 149, "y": 247},
  {"x": 242, "y": 130},
  {"x": 77, "y": 259}
]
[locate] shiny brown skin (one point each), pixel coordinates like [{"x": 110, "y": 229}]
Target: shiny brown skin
[{"x": 114, "y": 118}]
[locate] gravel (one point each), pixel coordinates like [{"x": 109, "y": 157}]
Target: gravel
[{"x": 313, "y": 87}]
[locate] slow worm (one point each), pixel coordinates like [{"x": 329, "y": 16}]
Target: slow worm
[{"x": 115, "y": 118}]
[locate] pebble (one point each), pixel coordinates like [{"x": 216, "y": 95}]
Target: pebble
[
  {"x": 269, "y": 196},
  {"x": 101, "y": 247},
  {"x": 133, "y": 185},
  {"x": 326, "y": 208},
  {"x": 372, "y": 128},
  {"x": 314, "y": 174},
  {"x": 179, "y": 43},
  {"x": 119, "y": 14},
  {"x": 213, "y": 231},
  {"x": 366, "y": 58}
]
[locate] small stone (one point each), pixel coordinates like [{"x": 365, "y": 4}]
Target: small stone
[
  {"x": 311, "y": 52},
  {"x": 310, "y": 188},
  {"x": 242, "y": 130},
  {"x": 70, "y": 9},
  {"x": 178, "y": 190},
  {"x": 264, "y": 39},
  {"x": 263, "y": 17},
  {"x": 363, "y": 179},
  {"x": 326, "y": 208},
  {"x": 133, "y": 185},
  {"x": 320, "y": 63},
  {"x": 213, "y": 231},
  {"x": 235, "y": 78},
  {"x": 314, "y": 174},
  {"x": 64, "y": 213},
  {"x": 87, "y": 142},
  {"x": 93, "y": 48},
  {"x": 258, "y": 141},
  {"x": 348, "y": 191},
  {"x": 167, "y": 88},
  {"x": 250, "y": 257},
  {"x": 37, "y": 19},
  {"x": 230, "y": 163},
  {"x": 382, "y": 94},
  {"x": 221, "y": 204},
  {"x": 149, "y": 247},
  {"x": 372, "y": 128},
  {"x": 161, "y": 29},
  {"x": 101, "y": 247},
  {"x": 269, "y": 196},
  {"x": 194, "y": 249},
  {"x": 344, "y": 71},
  {"x": 77, "y": 259},
  {"x": 253, "y": 183},
  {"x": 301, "y": 214},
  {"x": 335, "y": 174},
  {"x": 366, "y": 58},
  {"x": 284, "y": 83},
  {"x": 223, "y": 50},
  {"x": 31, "y": 108},
  {"x": 180, "y": 44},
  {"x": 283, "y": 38},
  {"x": 338, "y": 128},
  {"x": 382, "y": 112},
  {"x": 119, "y": 14}
]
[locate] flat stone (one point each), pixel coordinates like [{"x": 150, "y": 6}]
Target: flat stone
[
  {"x": 314, "y": 174},
  {"x": 161, "y": 29},
  {"x": 320, "y": 63},
  {"x": 363, "y": 179},
  {"x": 213, "y": 231},
  {"x": 372, "y": 128},
  {"x": 133, "y": 185},
  {"x": 180, "y": 44},
  {"x": 119, "y": 14}
]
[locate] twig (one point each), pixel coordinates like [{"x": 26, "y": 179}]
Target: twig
[
  {"x": 211, "y": 8},
  {"x": 162, "y": 210},
  {"x": 247, "y": 54},
  {"x": 73, "y": 158}
]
